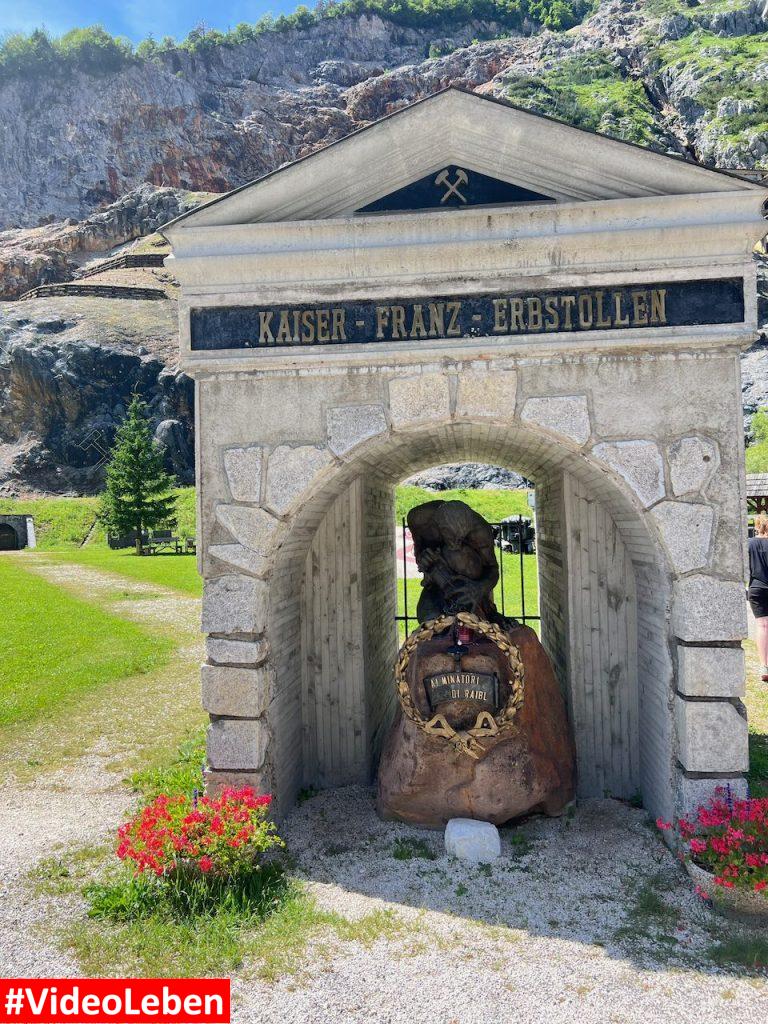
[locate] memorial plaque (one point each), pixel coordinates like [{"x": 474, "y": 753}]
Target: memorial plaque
[
  {"x": 561, "y": 311},
  {"x": 481, "y": 687}
]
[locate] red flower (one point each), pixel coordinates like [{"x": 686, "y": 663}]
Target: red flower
[{"x": 223, "y": 834}]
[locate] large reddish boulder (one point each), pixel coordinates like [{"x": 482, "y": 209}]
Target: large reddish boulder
[{"x": 529, "y": 766}]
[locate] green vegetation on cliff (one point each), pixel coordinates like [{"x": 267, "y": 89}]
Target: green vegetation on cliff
[
  {"x": 94, "y": 51},
  {"x": 592, "y": 91}
]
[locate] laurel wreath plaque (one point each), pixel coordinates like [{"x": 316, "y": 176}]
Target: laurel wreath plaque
[{"x": 487, "y": 726}]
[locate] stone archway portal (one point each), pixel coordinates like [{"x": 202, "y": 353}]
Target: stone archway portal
[{"x": 567, "y": 305}]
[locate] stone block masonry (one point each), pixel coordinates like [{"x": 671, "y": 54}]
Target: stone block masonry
[{"x": 625, "y": 532}]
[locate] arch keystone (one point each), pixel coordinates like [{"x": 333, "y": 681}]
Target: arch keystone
[
  {"x": 424, "y": 398},
  {"x": 489, "y": 395},
  {"x": 350, "y": 425}
]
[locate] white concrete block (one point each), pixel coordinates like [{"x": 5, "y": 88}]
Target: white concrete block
[
  {"x": 705, "y": 609},
  {"x": 237, "y": 745},
  {"x": 692, "y": 461},
  {"x": 423, "y": 398},
  {"x": 475, "y": 841},
  {"x": 711, "y": 736},
  {"x": 488, "y": 395},
  {"x": 686, "y": 530},
  {"x": 568, "y": 415},
  {"x": 350, "y": 425},
  {"x": 710, "y": 671},
  {"x": 236, "y": 652},
  {"x": 243, "y": 469},
  {"x": 239, "y": 692},
  {"x": 234, "y": 604},
  {"x": 290, "y": 473},
  {"x": 639, "y": 463}
]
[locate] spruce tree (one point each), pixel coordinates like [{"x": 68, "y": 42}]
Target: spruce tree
[{"x": 137, "y": 495}]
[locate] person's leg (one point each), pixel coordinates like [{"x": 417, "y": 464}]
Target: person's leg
[{"x": 761, "y": 639}]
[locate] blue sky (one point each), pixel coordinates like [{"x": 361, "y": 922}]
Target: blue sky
[{"x": 135, "y": 19}]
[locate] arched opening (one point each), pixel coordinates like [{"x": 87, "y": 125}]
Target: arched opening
[
  {"x": 506, "y": 501},
  {"x": 603, "y": 606},
  {"x": 9, "y": 541}
]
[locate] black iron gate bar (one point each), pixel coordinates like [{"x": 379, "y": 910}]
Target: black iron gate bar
[{"x": 520, "y": 523}]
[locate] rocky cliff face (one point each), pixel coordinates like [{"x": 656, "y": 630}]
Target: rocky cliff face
[
  {"x": 91, "y": 164},
  {"x": 671, "y": 73},
  {"x": 68, "y": 367}
]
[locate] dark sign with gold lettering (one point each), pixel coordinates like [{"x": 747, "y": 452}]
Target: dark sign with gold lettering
[
  {"x": 480, "y": 687},
  {"x": 608, "y": 308}
]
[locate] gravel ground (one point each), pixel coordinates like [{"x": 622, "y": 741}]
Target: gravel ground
[
  {"x": 561, "y": 928},
  {"x": 73, "y": 809}
]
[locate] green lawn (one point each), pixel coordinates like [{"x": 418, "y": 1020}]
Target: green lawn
[
  {"x": 67, "y": 522},
  {"x": 54, "y": 647},
  {"x": 756, "y": 701},
  {"x": 493, "y": 505},
  {"x": 59, "y": 522},
  {"x": 179, "y": 572}
]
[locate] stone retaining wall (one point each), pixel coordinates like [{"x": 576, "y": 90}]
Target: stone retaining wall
[{"x": 99, "y": 291}]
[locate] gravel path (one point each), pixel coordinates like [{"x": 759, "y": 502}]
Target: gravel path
[{"x": 80, "y": 804}]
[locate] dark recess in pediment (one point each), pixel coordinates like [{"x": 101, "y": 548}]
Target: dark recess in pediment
[{"x": 454, "y": 187}]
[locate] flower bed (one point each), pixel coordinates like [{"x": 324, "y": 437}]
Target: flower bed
[
  {"x": 725, "y": 848},
  {"x": 221, "y": 836},
  {"x": 195, "y": 858}
]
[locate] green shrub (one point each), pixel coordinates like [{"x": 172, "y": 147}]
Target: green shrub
[{"x": 410, "y": 849}]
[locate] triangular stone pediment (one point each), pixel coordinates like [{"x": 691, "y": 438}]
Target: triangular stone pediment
[{"x": 514, "y": 156}]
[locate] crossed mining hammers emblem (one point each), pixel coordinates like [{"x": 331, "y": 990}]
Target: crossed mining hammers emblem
[{"x": 452, "y": 188}]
